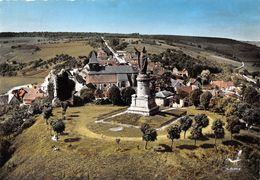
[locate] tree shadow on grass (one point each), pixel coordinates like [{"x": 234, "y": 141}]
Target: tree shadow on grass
[
  {"x": 247, "y": 139},
  {"x": 232, "y": 143},
  {"x": 75, "y": 112},
  {"x": 203, "y": 138},
  {"x": 72, "y": 139},
  {"x": 207, "y": 146},
  {"x": 64, "y": 133},
  {"x": 166, "y": 148},
  {"x": 73, "y": 115},
  {"x": 161, "y": 114},
  {"x": 186, "y": 146},
  {"x": 211, "y": 135},
  {"x": 122, "y": 150}
]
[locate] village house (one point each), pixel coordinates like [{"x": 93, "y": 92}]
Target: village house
[
  {"x": 178, "y": 103},
  {"x": 194, "y": 83},
  {"x": 19, "y": 93},
  {"x": 181, "y": 73},
  {"x": 177, "y": 83},
  {"x": 103, "y": 76},
  {"x": 155, "y": 68},
  {"x": 101, "y": 54},
  {"x": 164, "y": 98},
  {"x": 9, "y": 99},
  {"x": 32, "y": 94},
  {"x": 185, "y": 90},
  {"x": 223, "y": 85}
]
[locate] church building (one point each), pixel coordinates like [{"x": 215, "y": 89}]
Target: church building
[{"x": 104, "y": 76}]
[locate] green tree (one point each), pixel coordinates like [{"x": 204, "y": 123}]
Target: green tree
[
  {"x": 5, "y": 151},
  {"x": 195, "y": 97},
  {"x": 231, "y": 108},
  {"x": 98, "y": 93},
  {"x": 47, "y": 113},
  {"x": 251, "y": 116},
  {"x": 115, "y": 42},
  {"x": 64, "y": 107},
  {"x": 50, "y": 90},
  {"x": 218, "y": 129},
  {"x": 58, "y": 127},
  {"x": 173, "y": 133},
  {"x": 127, "y": 95},
  {"x": 144, "y": 127},
  {"x": 149, "y": 135},
  {"x": 87, "y": 95},
  {"x": 185, "y": 124},
  {"x": 202, "y": 120},
  {"x": 250, "y": 94},
  {"x": 233, "y": 125},
  {"x": 196, "y": 132},
  {"x": 240, "y": 110},
  {"x": 114, "y": 95},
  {"x": 205, "y": 76},
  {"x": 205, "y": 99}
]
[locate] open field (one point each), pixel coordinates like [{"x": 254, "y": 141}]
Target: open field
[
  {"x": 222, "y": 51},
  {"x": 85, "y": 154},
  {"x": 48, "y": 48},
  {"x": 6, "y": 83},
  {"x": 24, "y": 51}
]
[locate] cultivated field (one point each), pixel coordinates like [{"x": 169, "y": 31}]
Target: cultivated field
[
  {"x": 6, "y": 83},
  {"x": 24, "y": 48}
]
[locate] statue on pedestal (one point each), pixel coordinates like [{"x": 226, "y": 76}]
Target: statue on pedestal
[
  {"x": 143, "y": 102},
  {"x": 142, "y": 60}
]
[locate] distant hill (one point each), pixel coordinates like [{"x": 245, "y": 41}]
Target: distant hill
[
  {"x": 257, "y": 43},
  {"x": 237, "y": 50}
]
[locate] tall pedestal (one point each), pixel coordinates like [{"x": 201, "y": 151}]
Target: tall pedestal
[{"x": 142, "y": 102}]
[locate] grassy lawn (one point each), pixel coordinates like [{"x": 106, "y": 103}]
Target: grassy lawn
[
  {"x": 84, "y": 154},
  {"x": 155, "y": 121}
]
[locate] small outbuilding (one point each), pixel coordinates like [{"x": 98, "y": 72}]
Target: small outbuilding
[{"x": 164, "y": 98}]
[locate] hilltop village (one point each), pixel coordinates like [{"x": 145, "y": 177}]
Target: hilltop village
[
  {"x": 100, "y": 107},
  {"x": 102, "y": 71}
]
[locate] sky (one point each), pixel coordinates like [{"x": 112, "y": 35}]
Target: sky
[{"x": 236, "y": 19}]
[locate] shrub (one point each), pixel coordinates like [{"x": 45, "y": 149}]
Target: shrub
[
  {"x": 173, "y": 133},
  {"x": 114, "y": 95},
  {"x": 5, "y": 151},
  {"x": 87, "y": 95},
  {"x": 58, "y": 126},
  {"x": 205, "y": 99},
  {"x": 102, "y": 101},
  {"x": 127, "y": 95}
]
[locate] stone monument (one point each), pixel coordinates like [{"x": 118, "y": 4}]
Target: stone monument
[{"x": 143, "y": 102}]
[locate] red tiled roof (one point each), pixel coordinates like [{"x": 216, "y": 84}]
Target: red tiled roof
[
  {"x": 100, "y": 79},
  {"x": 32, "y": 94},
  {"x": 186, "y": 89},
  {"x": 222, "y": 84}
]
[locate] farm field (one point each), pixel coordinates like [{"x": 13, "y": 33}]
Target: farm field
[
  {"x": 6, "y": 83},
  {"x": 48, "y": 49}
]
